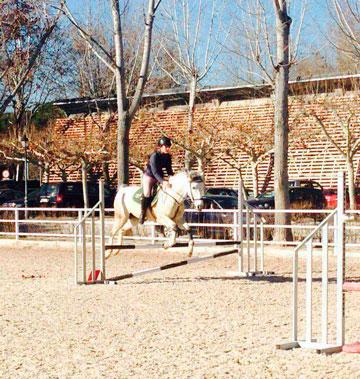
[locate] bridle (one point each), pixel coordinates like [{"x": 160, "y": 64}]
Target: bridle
[
  {"x": 179, "y": 198},
  {"x": 190, "y": 192}
]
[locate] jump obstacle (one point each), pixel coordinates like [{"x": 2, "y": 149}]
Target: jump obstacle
[
  {"x": 338, "y": 219},
  {"x": 169, "y": 266},
  {"x": 95, "y": 264}
]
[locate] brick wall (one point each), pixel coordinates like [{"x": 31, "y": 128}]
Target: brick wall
[{"x": 315, "y": 158}]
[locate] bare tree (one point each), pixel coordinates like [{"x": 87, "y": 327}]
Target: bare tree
[
  {"x": 193, "y": 44},
  {"x": 245, "y": 137},
  {"x": 337, "y": 122},
  {"x": 266, "y": 56},
  {"x": 126, "y": 107},
  {"x": 19, "y": 51},
  {"x": 346, "y": 15}
]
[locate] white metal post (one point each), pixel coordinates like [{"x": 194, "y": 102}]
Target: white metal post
[
  {"x": 17, "y": 228},
  {"x": 255, "y": 243},
  {"x": 235, "y": 225},
  {"x": 102, "y": 228},
  {"x": 295, "y": 295},
  {"x": 340, "y": 295},
  {"x": 248, "y": 239},
  {"x": 324, "y": 282},
  {"x": 76, "y": 253},
  {"x": 152, "y": 231},
  {"x": 262, "y": 264},
  {"x": 241, "y": 232},
  {"x": 93, "y": 251},
  {"x": 308, "y": 332},
  {"x": 83, "y": 231}
]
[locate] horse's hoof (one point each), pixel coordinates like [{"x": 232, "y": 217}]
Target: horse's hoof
[{"x": 191, "y": 248}]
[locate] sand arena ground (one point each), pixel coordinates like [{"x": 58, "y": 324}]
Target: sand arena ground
[{"x": 190, "y": 322}]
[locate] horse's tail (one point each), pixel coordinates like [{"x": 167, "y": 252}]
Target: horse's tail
[{"x": 119, "y": 203}]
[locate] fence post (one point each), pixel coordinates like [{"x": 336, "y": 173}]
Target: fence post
[
  {"x": 235, "y": 227},
  {"x": 340, "y": 271},
  {"x": 241, "y": 232},
  {"x": 102, "y": 228},
  {"x": 17, "y": 236},
  {"x": 152, "y": 233}
]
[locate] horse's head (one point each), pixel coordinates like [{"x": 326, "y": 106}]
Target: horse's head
[{"x": 196, "y": 189}]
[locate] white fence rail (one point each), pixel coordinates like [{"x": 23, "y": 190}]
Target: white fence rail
[{"x": 58, "y": 223}]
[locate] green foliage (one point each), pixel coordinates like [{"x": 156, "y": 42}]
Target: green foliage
[{"x": 46, "y": 113}]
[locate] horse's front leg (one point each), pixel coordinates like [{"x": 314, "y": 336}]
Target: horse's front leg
[
  {"x": 184, "y": 226},
  {"x": 171, "y": 227}
]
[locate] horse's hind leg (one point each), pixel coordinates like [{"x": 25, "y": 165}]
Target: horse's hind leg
[
  {"x": 119, "y": 222},
  {"x": 179, "y": 220}
]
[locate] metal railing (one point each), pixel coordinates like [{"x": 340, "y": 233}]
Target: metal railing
[{"x": 60, "y": 224}]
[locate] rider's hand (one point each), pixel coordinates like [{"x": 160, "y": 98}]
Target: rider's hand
[{"x": 166, "y": 185}]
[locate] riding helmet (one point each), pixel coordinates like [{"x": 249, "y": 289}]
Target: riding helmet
[{"x": 164, "y": 141}]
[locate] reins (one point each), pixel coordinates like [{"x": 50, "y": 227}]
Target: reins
[{"x": 181, "y": 197}]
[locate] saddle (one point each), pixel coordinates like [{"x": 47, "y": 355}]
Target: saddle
[{"x": 154, "y": 196}]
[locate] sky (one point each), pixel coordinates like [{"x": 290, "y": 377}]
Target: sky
[{"x": 312, "y": 35}]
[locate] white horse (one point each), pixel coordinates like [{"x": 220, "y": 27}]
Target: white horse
[{"x": 167, "y": 209}]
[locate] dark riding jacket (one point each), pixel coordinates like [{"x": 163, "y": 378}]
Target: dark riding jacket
[{"x": 157, "y": 164}]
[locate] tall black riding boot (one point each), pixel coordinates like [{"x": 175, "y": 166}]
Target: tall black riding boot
[{"x": 144, "y": 207}]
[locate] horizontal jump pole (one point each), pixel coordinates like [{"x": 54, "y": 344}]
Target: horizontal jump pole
[
  {"x": 178, "y": 244},
  {"x": 124, "y": 247},
  {"x": 169, "y": 266}
]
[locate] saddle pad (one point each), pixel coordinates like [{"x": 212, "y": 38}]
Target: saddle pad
[{"x": 138, "y": 194}]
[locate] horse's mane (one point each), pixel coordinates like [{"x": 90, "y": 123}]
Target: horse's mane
[{"x": 182, "y": 175}]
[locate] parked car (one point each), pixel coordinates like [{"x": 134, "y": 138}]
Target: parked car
[
  {"x": 19, "y": 185},
  {"x": 224, "y": 191},
  {"x": 33, "y": 200},
  {"x": 305, "y": 183},
  {"x": 300, "y": 197},
  {"x": 216, "y": 202},
  {"x": 9, "y": 194},
  {"x": 331, "y": 198},
  {"x": 70, "y": 194}
]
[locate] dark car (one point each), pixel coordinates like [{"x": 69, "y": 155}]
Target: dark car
[
  {"x": 331, "y": 198},
  {"x": 300, "y": 197},
  {"x": 305, "y": 183},
  {"x": 33, "y": 200},
  {"x": 70, "y": 194},
  {"x": 212, "y": 202},
  {"x": 19, "y": 185},
  {"x": 8, "y": 194},
  {"x": 223, "y": 191}
]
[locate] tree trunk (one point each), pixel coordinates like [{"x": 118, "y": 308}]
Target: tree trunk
[
  {"x": 122, "y": 103},
  {"x": 123, "y": 132},
  {"x": 84, "y": 183},
  {"x": 106, "y": 174},
  {"x": 255, "y": 178},
  {"x": 351, "y": 182},
  {"x": 126, "y": 111},
  {"x": 189, "y": 158},
  {"x": 281, "y": 117}
]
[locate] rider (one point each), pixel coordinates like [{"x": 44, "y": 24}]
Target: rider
[{"x": 153, "y": 173}]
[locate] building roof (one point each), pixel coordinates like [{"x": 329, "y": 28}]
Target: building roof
[{"x": 178, "y": 96}]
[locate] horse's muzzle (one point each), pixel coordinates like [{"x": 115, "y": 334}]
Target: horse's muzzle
[{"x": 199, "y": 204}]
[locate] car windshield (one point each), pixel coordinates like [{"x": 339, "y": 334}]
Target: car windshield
[{"x": 48, "y": 190}]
